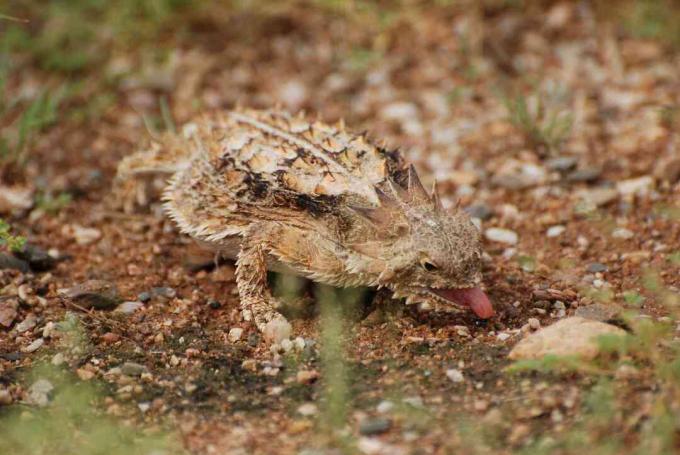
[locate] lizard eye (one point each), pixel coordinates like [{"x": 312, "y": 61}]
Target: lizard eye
[{"x": 429, "y": 266}]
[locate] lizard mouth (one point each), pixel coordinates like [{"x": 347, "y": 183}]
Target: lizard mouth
[{"x": 473, "y": 298}]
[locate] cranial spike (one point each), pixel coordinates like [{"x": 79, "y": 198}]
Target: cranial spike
[
  {"x": 341, "y": 124},
  {"x": 436, "y": 199},
  {"x": 399, "y": 193},
  {"x": 415, "y": 187}
]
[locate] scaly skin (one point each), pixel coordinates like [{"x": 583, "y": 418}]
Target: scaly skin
[{"x": 278, "y": 192}]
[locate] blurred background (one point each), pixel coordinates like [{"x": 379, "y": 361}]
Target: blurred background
[{"x": 554, "y": 123}]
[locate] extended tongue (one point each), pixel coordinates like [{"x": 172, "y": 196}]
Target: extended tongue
[{"x": 474, "y": 298}]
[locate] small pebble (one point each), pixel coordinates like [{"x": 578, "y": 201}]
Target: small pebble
[
  {"x": 455, "y": 375},
  {"x": 596, "y": 267},
  {"x": 372, "y": 426},
  {"x": 501, "y": 235},
  {"x": 58, "y": 359},
  {"x": 623, "y": 233},
  {"x": 554, "y": 231},
  {"x": 144, "y": 296},
  {"x": 129, "y": 307},
  {"x": 481, "y": 211},
  {"x": 384, "y": 406},
  {"x": 132, "y": 369},
  {"x": 503, "y": 336},
  {"x": 307, "y": 409},
  {"x": 37, "y": 344},
  {"x": 534, "y": 323},
  {"x": 27, "y": 324},
  {"x": 235, "y": 334}
]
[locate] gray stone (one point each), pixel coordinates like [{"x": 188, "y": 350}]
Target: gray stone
[
  {"x": 561, "y": 163},
  {"x": 132, "y": 369},
  {"x": 596, "y": 267},
  {"x": 371, "y": 426},
  {"x": 588, "y": 174},
  {"x": 481, "y": 211},
  {"x": 599, "y": 312},
  {"x": 98, "y": 294}
]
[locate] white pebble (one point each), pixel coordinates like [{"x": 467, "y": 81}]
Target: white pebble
[
  {"x": 235, "y": 334},
  {"x": 307, "y": 409},
  {"x": 639, "y": 186},
  {"x": 501, "y": 235},
  {"x": 455, "y": 375},
  {"x": 128, "y": 307},
  {"x": 554, "y": 231},
  {"x": 384, "y": 406},
  {"x": 286, "y": 345},
  {"x": 503, "y": 336},
  {"x": 299, "y": 343},
  {"x": 623, "y": 233},
  {"x": 37, "y": 344}
]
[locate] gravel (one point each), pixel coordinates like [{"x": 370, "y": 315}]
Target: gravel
[
  {"x": 555, "y": 231},
  {"x": 596, "y": 267},
  {"x": 97, "y": 294},
  {"x": 371, "y": 426},
  {"x": 501, "y": 235},
  {"x": 455, "y": 375}
]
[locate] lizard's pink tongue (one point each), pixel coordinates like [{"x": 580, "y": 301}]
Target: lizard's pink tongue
[{"x": 475, "y": 298}]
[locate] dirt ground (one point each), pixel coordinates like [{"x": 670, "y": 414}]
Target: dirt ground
[{"x": 556, "y": 121}]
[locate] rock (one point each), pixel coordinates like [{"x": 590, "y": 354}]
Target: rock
[
  {"x": 57, "y": 359},
  {"x": 84, "y": 374},
  {"x": 623, "y": 233},
  {"x": 588, "y": 174},
  {"x": 501, "y": 235},
  {"x": 235, "y": 334},
  {"x": 15, "y": 199},
  {"x": 554, "y": 231},
  {"x": 307, "y": 376},
  {"x": 598, "y": 197},
  {"x": 286, "y": 345},
  {"x": 307, "y": 409},
  {"x": 534, "y": 323},
  {"x": 399, "y": 111},
  {"x": 481, "y": 211},
  {"x": 13, "y": 263},
  {"x": 384, "y": 406},
  {"x": 277, "y": 330},
  {"x": 370, "y": 426},
  {"x": 573, "y": 336},
  {"x": 27, "y": 324},
  {"x": 133, "y": 369},
  {"x": 38, "y": 259},
  {"x": 639, "y": 186},
  {"x": 144, "y": 296},
  {"x": 84, "y": 235},
  {"x": 98, "y": 294},
  {"x": 599, "y": 312},
  {"x": 455, "y": 375},
  {"x": 163, "y": 293},
  {"x": 561, "y": 163},
  {"x": 129, "y": 307},
  {"x": 37, "y": 344},
  {"x": 38, "y": 393},
  {"x": 596, "y": 267},
  {"x": 8, "y": 311}
]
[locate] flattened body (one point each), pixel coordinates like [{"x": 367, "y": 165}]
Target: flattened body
[{"x": 246, "y": 166}]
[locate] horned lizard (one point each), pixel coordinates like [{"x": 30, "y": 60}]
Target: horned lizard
[{"x": 280, "y": 192}]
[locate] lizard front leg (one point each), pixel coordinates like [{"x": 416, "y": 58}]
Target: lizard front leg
[{"x": 257, "y": 303}]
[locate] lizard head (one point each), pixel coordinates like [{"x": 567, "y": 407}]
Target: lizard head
[{"x": 427, "y": 254}]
